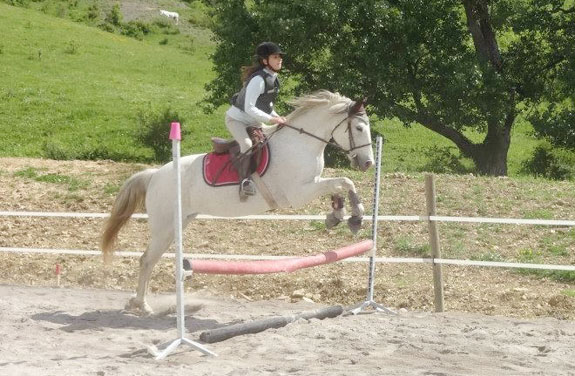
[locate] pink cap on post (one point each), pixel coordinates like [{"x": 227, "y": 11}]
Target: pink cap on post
[{"x": 175, "y": 133}]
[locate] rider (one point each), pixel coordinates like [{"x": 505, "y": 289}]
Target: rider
[{"x": 254, "y": 104}]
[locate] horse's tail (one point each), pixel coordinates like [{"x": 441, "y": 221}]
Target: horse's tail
[{"x": 131, "y": 197}]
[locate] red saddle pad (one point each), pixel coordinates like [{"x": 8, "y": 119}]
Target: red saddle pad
[{"x": 218, "y": 166}]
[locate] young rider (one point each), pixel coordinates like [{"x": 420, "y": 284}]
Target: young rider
[{"x": 254, "y": 104}]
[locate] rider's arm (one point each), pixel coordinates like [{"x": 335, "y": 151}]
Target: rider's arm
[{"x": 255, "y": 88}]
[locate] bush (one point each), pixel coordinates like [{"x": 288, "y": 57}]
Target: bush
[
  {"x": 93, "y": 12},
  {"x": 551, "y": 163},
  {"x": 114, "y": 17},
  {"x": 18, "y": 3},
  {"x": 163, "y": 26},
  {"x": 441, "y": 160},
  {"x": 71, "y": 48},
  {"x": 135, "y": 29},
  {"x": 107, "y": 27},
  {"x": 65, "y": 152},
  {"x": 154, "y": 132}
]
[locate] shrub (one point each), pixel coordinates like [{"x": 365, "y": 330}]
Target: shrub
[
  {"x": 93, "y": 12},
  {"x": 135, "y": 30},
  {"x": 154, "y": 131},
  {"x": 188, "y": 45},
  {"x": 107, "y": 27},
  {"x": 18, "y": 3},
  {"x": 71, "y": 48},
  {"x": 164, "y": 26},
  {"x": 441, "y": 160},
  {"x": 551, "y": 163},
  {"x": 114, "y": 17},
  {"x": 61, "y": 152}
]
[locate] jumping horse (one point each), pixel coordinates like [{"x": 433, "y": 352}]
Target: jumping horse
[{"x": 294, "y": 174}]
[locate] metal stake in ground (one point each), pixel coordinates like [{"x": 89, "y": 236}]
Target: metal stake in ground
[
  {"x": 369, "y": 302},
  {"x": 175, "y": 136}
]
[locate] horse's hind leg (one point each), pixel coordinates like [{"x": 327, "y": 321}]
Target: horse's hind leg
[{"x": 159, "y": 243}]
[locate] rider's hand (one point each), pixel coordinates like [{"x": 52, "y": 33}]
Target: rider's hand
[{"x": 279, "y": 120}]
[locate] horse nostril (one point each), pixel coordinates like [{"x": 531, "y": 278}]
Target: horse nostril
[{"x": 368, "y": 164}]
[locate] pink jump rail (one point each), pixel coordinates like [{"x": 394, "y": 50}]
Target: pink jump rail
[{"x": 279, "y": 266}]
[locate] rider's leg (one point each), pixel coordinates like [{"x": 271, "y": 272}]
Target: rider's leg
[{"x": 240, "y": 134}]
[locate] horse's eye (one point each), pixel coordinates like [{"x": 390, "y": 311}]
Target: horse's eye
[{"x": 359, "y": 128}]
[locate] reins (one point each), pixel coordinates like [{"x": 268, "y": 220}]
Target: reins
[{"x": 352, "y": 146}]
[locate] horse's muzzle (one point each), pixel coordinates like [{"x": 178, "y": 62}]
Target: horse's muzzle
[
  {"x": 355, "y": 163},
  {"x": 367, "y": 165}
]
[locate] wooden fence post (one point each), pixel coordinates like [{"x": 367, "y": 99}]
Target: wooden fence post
[{"x": 434, "y": 241}]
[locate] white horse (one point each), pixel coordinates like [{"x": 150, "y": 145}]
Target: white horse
[
  {"x": 173, "y": 15},
  {"x": 294, "y": 173}
]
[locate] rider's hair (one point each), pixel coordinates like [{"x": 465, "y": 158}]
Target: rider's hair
[{"x": 248, "y": 70}]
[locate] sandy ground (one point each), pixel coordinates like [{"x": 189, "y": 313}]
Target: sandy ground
[
  {"x": 51, "y": 331},
  {"x": 498, "y": 321}
]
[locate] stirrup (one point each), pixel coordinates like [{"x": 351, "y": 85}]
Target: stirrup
[{"x": 247, "y": 187}]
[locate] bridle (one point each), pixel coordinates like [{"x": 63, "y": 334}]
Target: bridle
[{"x": 355, "y": 111}]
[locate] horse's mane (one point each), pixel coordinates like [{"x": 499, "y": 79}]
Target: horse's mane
[{"x": 318, "y": 98}]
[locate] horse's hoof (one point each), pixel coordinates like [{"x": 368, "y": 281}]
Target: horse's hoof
[
  {"x": 331, "y": 221},
  {"x": 354, "y": 223},
  {"x": 138, "y": 307}
]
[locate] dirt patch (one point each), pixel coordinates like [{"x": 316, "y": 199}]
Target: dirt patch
[
  {"x": 77, "y": 186},
  {"x": 48, "y": 331}
]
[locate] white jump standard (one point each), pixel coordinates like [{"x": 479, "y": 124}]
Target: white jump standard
[
  {"x": 369, "y": 302},
  {"x": 175, "y": 136}
]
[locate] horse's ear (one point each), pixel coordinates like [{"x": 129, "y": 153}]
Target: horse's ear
[{"x": 358, "y": 106}]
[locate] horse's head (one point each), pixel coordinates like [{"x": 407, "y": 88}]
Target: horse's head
[{"x": 354, "y": 136}]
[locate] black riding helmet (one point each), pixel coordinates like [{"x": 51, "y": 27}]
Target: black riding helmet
[{"x": 265, "y": 49}]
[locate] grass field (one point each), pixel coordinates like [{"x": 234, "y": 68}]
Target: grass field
[
  {"x": 73, "y": 91},
  {"x": 76, "y": 88}
]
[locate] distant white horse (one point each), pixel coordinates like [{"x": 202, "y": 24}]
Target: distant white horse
[
  {"x": 294, "y": 173},
  {"x": 173, "y": 15}
]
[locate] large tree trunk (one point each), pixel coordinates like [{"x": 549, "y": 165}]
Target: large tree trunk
[{"x": 490, "y": 157}]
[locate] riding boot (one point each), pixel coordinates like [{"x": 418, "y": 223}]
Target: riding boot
[{"x": 247, "y": 186}]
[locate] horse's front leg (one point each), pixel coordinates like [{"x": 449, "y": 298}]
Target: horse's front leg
[
  {"x": 336, "y": 216},
  {"x": 335, "y": 187},
  {"x": 357, "y": 210}
]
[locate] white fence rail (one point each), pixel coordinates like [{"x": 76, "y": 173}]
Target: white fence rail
[{"x": 278, "y": 217}]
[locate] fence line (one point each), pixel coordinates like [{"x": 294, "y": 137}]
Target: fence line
[
  {"x": 290, "y": 217},
  {"x": 385, "y": 260},
  {"x": 436, "y": 260},
  {"x": 431, "y": 218}
]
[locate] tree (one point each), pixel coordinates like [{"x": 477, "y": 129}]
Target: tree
[{"x": 448, "y": 65}]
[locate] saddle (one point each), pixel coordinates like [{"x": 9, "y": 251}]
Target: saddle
[{"x": 220, "y": 167}]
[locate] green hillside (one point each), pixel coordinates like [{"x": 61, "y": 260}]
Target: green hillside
[{"x": 65, "y": 85}]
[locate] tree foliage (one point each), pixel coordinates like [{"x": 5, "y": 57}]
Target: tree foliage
[{"x": 448, "y": 65}]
